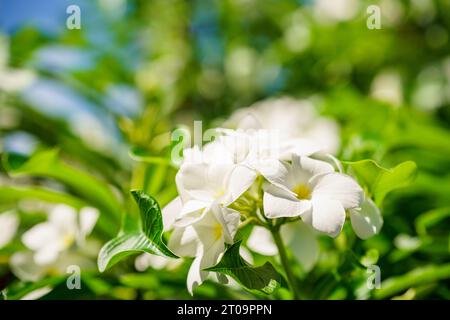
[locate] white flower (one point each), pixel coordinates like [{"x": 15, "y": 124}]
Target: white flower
[
  {"x": 205, "y": 240},
  {"x": 311, "y": 189},
  {"x": 49, "y": 243},
  {"x": 201, "y": 185},
  {"x": 298, "y": 236},
  {"x": 9, "y": 222},
  {"x": 292, "y": 119},
  {"x": 63, "y": 228}
]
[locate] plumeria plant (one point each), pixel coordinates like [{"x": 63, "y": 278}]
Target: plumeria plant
[{"x": 263, "y": 188}]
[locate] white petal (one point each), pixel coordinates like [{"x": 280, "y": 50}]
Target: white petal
[
  {"x": 218, "y": 224},
  {"x": 240, "y": 180},
  {"x": 261, "y": 241},
  {"x": 64, "y": 218},
  {"x": 278, "y": 173},
  {"x": 366, "y": 221},
  {"x": 88, "y": 219},
  {"x": 195, "y": 275},
  {"x": 9, "y": 222},
  {"x": 326, "y": 132},
  {"x": 279, "y": 203},
  {"x": 208, "y": 257},
  {"x": 191, "y": 213},
  {"x": 23, "y": 266},
  {"x": 312, "y": 166},
  {"x": 339, "y": 187},
  {"x": 40, "y": 235},
  {"x": 184, "y": 242},
  {"x": 303, "y": 243},
  {"x": 47, "y": 254},
  {"x": 327, "y": 216},
  {"x": 299, "y": 147},
  {"x": 170, "y": 212},
  {"x": 229, "y": 220}
]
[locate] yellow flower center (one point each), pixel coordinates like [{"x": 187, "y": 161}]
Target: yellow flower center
[
  {"x": 68, "y": 240},
  {"x": 302, "y": 192},
  {"x": 218, "y": 231},
  {"x": 219, "y": 194}
]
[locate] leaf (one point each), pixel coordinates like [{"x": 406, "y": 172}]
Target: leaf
[
  {"x": 15, "y": 193},
  {"x": 141, "y": 155},
  {"x": 431, "y": 218},
  {"x": 264, "y": 278},
  {"x": 47, "y": 164},
  {"x": 419, "y": 276},
  {"x": 148, "y": 239},
  {"x": 380, "y": 181}
]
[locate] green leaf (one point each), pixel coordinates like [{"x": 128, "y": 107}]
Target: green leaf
[
  {"x": 430, "y": 219},
  {"x": 141, "y": 155},
  {"x": 47, "y": 164},
  {"x": 380, "y": 181},
  {"x": 264, "y": 278},
  {"x": 419, "y": 276},
  {"x": 15, "y": 193},
  {"x": 148, "y": 239}
]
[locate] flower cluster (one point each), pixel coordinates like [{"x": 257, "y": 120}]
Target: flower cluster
[{"x": 265, "y": 176}]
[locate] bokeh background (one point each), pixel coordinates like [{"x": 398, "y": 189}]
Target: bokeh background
[{"x": 108, "y": 95}]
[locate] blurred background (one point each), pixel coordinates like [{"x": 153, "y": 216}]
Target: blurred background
[{"x": 108, "y": 95}]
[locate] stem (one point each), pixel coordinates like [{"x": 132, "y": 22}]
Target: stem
[{"x": 284, "y": 261}]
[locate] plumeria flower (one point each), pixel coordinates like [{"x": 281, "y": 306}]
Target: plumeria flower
[
  {"x": 205, "y": 241},
  {"x": 201, "y": 185},
  {"x": 9, "y": 222},
  {"x": 50, "y": 242},
  {"x": 311, "y": 189}
]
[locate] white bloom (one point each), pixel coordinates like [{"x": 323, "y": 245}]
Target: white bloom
[
  {"x": 298, "y": 236},
  {"x": 9, "y": 222},
  {"x": 291, "y": 119},
  {"x": 205, "y": 240},
  {"x": 63, "y": 228},
  {"x": 311, "y": 189},
  {"x": 201, "y": 185}
]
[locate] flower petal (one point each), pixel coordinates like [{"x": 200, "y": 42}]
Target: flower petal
[
  {"x": 40, "y": 235},
  {"x": 88, "y": 218},
  {"x": 366, "y": 221},
  {"x": 261, "y": 241},
  {"x": 239, "y": 181},
  {"x": 327, "y": 216},
  {"x": 339, "y": 187},
  {"x": 9, "y": 222},
  {"x": 303, "y": 243},
  {"x": 184, "y": 242},
  {"x": 311, "y": 166},
  {"x": 23, "y": 266},
  {"x": 280, "y": 203},
  {"x": 170, "y": 212},
  {"x": 192, "y": 212}
]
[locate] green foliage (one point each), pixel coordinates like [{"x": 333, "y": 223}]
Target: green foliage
[
  {"x": 381, "y": 181},
  {"x": 148, "y": 239},
  {"x": 263, "y": 278}
]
